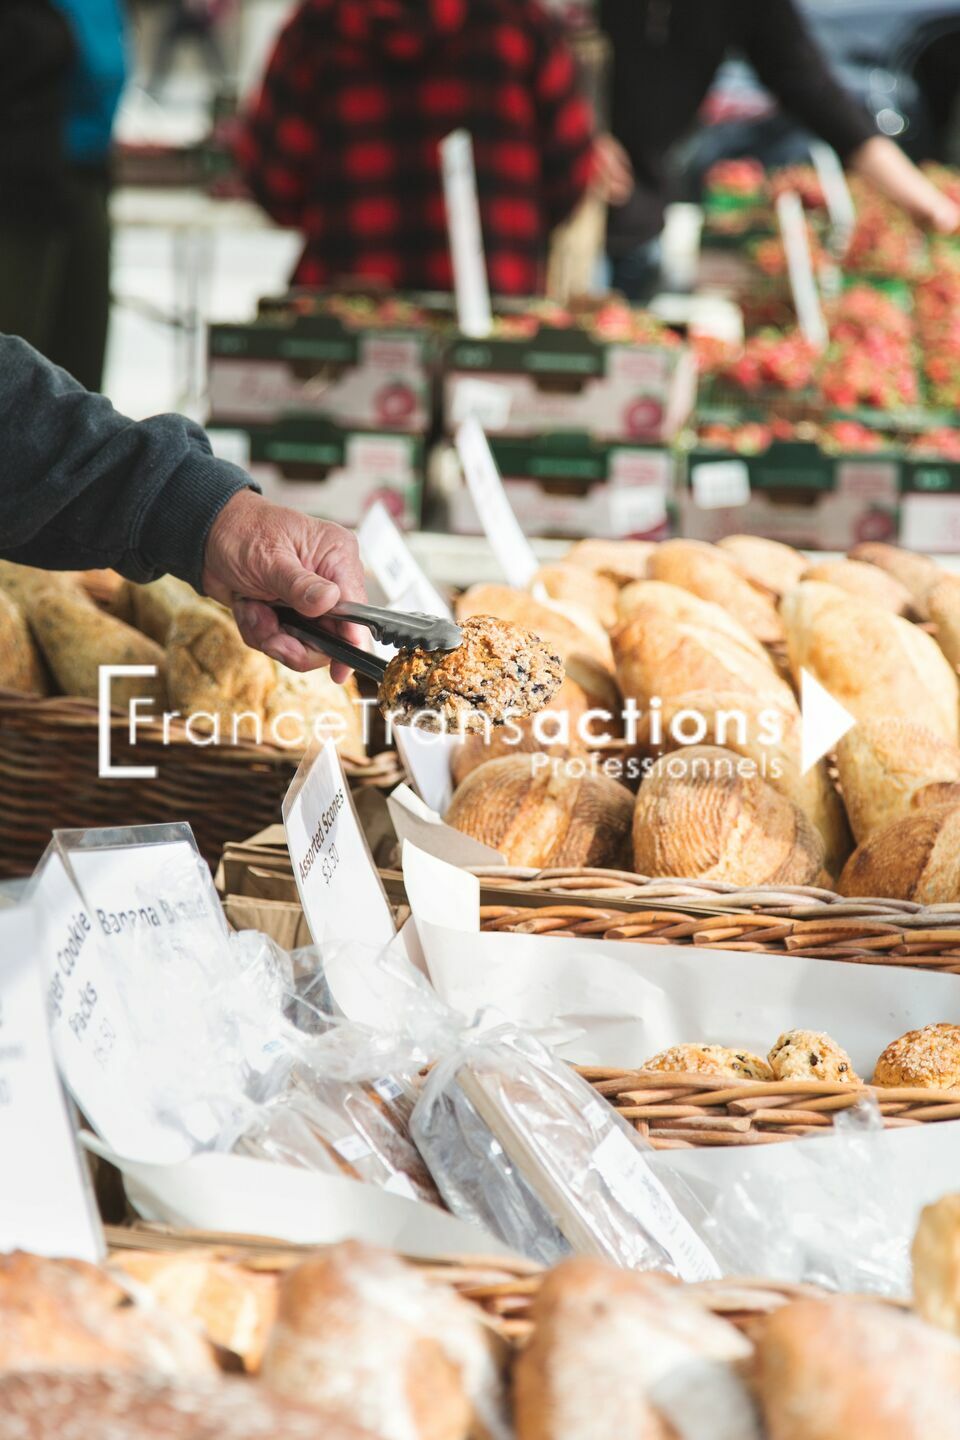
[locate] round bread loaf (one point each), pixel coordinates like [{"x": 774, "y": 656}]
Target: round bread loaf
[
  {"x": 767, "y": 564},
  {"x": 713, "y": 575},
  {"x": 620, "y": 560},
  {"x": 943, "y": 603},
  {"x": 711, "y": 1060},
  {"x": 544, "y": 814},
  {"x": 702, "y": 814},
  {"x": 656, "y": 599},
  {"x": 884, "y": 763},
  {"x": 917, "y": 573},
  {"x": 929, "y": 1057},
  {"x": 572, "y": 584},
  {"x": 873, "y": 662},
  {"x": 811, "y": 1055},
  {"x": 916, "y": 858},
  {"x": 555, "y": 731},
  {"x": 866, "y": 582}
]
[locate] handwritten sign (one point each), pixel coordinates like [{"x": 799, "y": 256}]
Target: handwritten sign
[
  {"x": 474, "y": 312},
  {"x": 509, "y": 544}
]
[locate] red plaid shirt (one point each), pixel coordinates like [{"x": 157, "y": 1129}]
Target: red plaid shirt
[{"x": 343, "y": 140}]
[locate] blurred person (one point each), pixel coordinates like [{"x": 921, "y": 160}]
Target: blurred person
[
  {"x": 342, "y": 142},
  {"x": 666, "y": 54},
  {"x": 194, "y": 22},
  {"x": 82, "y": 487}
]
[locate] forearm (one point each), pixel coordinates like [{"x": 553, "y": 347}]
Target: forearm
[
  {"x": 82, "y": 486},
  {"x": 886, "y": 166}
]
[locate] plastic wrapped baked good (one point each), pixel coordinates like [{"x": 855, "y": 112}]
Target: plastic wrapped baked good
[{"x": 519, "y": 1144}]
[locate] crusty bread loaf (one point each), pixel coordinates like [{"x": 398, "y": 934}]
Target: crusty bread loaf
[
  {"x": 936, "y": 1264},
  {"x": 619, "y": 1355},
  {"x": 918, "y": 573},
  {"x": 928, "y": 1057},
  {"x": 712, "y": 574},
  {"x": 655, "y": 598},
  {"x": 153, "y": 608},
  {"x": 67, "y": 1315},
  {"x": 699, "y": 816},
  {"x": 916, "y": 858},
  {"x": 211, "y": 672},
  {"x": 311, "y": 703},
  {"x": 114, "y": 1406},
  {"x": 620, "y": 560},
  {"x": 770, "y": 566},
  {"x": 76, "y": 639},
  {"x": 555, "y": 731},
  {"x": 850, "y": 1369},
  {"x": 366, "y": 1339},
  {"x": 883, "y": 763},
  {"x": 20, "y": 665},
  {"x": 872, "y": 662},
  {"x": 234, "y": 1306},
  {"x": 573, "y": 584},
  {"x": 943, "y": 604},
  {"x": 23, "y": 582},
  {"x": 544, "y": 814},
  {"x": 866, "y": 582}
]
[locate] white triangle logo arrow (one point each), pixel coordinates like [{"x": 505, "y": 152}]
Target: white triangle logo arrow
[{"x": 824, "y": 721}]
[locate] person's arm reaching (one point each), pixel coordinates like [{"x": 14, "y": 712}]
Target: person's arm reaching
[
  {"x": 82, "y": 487},
  {"x": 278, "y": 146},
  {"x": 785, "y": 55}
]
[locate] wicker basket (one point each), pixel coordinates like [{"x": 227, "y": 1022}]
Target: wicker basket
[
  {"x": 49, "y": 779},
  {"x": 684, "y": 1111}
]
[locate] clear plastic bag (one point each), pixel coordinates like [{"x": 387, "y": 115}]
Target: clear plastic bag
[{"x": 517, "y": 1142}]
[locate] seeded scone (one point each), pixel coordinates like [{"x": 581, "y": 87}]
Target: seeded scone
[
  {"x": 929, "y": 1057},
  {"x": 711, "y": 1060},
  {"x": 811, "y": 1055},
  {"x": 499, "y": 672}
]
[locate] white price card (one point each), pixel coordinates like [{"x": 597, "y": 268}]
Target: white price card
[
  {"x": 48, "y": 1205},
  {"x": 474, "y": 313},
  {"x": 389, "y": 559},
  {"x": 427, "y": 759},
  {"x": 509, "y": 544},
  {"x": 339, "y": 887},
  {"x": 720, "y": 484},
  {"x": 803, "y": 278}
]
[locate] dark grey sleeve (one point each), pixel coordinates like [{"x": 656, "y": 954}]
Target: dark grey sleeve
[{"x": 82, "y": 487}]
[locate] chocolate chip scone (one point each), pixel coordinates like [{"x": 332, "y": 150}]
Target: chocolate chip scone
[{"x": 499, "y": 672}]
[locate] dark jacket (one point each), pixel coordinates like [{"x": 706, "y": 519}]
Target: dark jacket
[
  {"x": 82, "y": 487},
  {"x": 36, "y": 60},
  {"x": 666, "y": 55}
]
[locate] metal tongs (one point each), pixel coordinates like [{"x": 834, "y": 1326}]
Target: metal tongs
[{"x": 391, "y": 627}]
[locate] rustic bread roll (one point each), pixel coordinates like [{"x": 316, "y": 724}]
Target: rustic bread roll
[
  {"x": 936, "y": 1264},
  {"x": 698, "y": 817},
  {"x": 555, "y": 731},
  {"x": 811, "y": 1055},
  {"x": 768, "y": 565},
  {"x": 669, "y": 602},
  {"x": 865, "y": 582},
  {"x": 711, "y": 574},
  {"x": 939, "y": 792},
  {"x": 67, "y": 1315},
  {"x": 153, "y": 608},
  {"x": 544, "y": 814},
  {"x": 658, "y": 657},
  {"x": 620, "y": 560},
  {"x": 573, "y": 584},
  {"x": 883, "y": 763},
  {"x": 141, "y": 1407},
  {"x": 943, "y": 604},
  {"x": 619, "y": 1355},
  {"x": 106, "y": 587},
  {"x": 849, "y": 1369},
  {"x": 711, "y": 1060},
  {"x": 365, "y": 1338},
  {"x": 310, "y": 703},
  {"x": 918, "y": 573},
  {"x": 211, "y": 672},
  {"x": 926, "y": 1057},
  {"x": 21, "y": 668},
  {"x": 916, "y": 858},
  {"x": 233, "y": 1306},
  {"x": 872, "y": 662},
  {"x": 76, "y": 639}
]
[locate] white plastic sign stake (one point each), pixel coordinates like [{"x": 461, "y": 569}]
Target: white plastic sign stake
[
  {"x": 47, "y": 1204},
  {"x": 501, "y": 527},
  {"x": 389, "y": 559},
  {"x": 836, "y": 191},
  {"x": 803, "y": 280},
  {"x": 423, "y": 827},
  {"x": 720, "y": 484},
  {"x": 488, "y": 402},
  {"x": 474, "y": 313},
  {"x": 339, "y": 887}
]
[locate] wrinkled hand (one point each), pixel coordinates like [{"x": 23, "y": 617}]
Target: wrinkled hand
[
  {"x": 257, "y": 552},
  {"x": 612, "y": 171}
]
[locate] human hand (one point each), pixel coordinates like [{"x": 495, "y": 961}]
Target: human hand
[
  {"x": 612, "y": 171},
  {"x": 258, "y": 553},
  {"x": 938, "y": 212}
]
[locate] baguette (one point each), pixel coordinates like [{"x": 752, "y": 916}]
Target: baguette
[
  {"x": 77, "y": 639},
  {"x": 713, "y": 575},
  {"x": 771, "y": 567},
  {"x": 21, "y": 668},
  {"x": 885, "y": 764}
]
